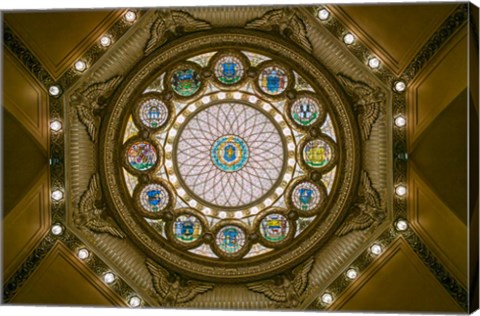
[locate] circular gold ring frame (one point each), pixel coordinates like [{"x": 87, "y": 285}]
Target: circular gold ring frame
[
  {"x": 223, "y": 53},
  {"x": 149, "y": 96},
  {"x": 128, "y": 166},
  {"x": 290, "y": 234},
  {"x": 239, "y": 254},
  {"x": 322, "y": 111},
  {"x": 160, "y": 214},
  {"x": 183, "y": 245},
  {"x": 323, "y": 169},
  {"x": 250, "y": 268},
  {"x": 288, "y": 74},
  {"x": 179, "y": 66},
  {"x": 321, "y": 189}
]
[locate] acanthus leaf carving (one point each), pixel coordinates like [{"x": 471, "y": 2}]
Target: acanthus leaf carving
[
  {"x": 171, "y": 24},
  {"x": 287, "y": 23},
  {"x": 366, "y": 211},
  {"x": 367, "y": 105},
  {"x": 287, "y": 289},
  {"x": 91, "y": 216},
  {"x": 90, "y": 101},
  {"x": 173, "y": 290}
]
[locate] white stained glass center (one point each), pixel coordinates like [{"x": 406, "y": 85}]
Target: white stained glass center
[{"x": 229, "y": 155}]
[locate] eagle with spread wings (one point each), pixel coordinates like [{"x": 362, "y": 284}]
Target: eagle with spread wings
[
  {"x": 90, "y": 101},
  {"x": 367, "y": 103},
  {"x": 171, "y": 289},
  {"x": 366, "y": 211},
  {"x": 172, "y": 23},
  {"x": 91, "y": 216},
  {"x": 287, "y": 23},
  {"x": 288, "y": 289}
]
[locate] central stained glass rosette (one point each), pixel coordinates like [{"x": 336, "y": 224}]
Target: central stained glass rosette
[{"x": 229, "y": 153}]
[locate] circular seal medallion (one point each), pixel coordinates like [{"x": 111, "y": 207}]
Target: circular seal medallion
[{"x": 229, "y": 153}]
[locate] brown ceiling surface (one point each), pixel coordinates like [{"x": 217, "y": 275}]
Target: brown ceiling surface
[
  {"x": 395, "y": 32},
  {"x": 400, "y": 283},
  {"x": 441, "y": 156},
  {"x": 62, "y": 279},
  {"x": 59, "y": 38},
  {"x": 25, "y": 163}
]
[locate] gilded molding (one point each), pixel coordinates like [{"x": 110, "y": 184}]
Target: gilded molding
[
  {"x": 441, "y": 36},
  {"x": 172, "y": 289},
  {"x": 285, "y": 22},
  {"x": 287, "y": 289}
]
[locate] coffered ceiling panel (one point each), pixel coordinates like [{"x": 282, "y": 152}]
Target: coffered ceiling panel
[
  {"x": 59, "y": 38},
  {"x": 62, "y": 279},
  {"x": 400, "y": 283},
  {"x": 396, "y": 32},
  {"x": 444, "y": 232},
  {"x": 26, "y": 99},
  {"x": 441, "y": 81},
  {"x": 26, "y": 224}
]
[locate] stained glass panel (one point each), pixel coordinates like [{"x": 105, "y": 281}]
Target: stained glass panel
[
  {"x": 230, "y": 239},
  {"x": 187, "y": 228},
  {"x": 154, "y": 198},
  {"x": 142, "y": 155},
  {"x": 153, "y": 113},
  {"x": 305, "y": 111},
  {"x": 317, "y": 153},
  {"x": 306, "y": 196},
  {"x": 185, "y": 81},
  {"x": 274, "y": 227},
  {"x": 229, "y": 69},
  {"x": 273, "y": 80}
]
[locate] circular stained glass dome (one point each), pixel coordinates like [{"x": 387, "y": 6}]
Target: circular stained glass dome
[{"x": 231, "y": 155}]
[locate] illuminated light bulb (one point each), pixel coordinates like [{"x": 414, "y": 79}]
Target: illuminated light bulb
[
  {"x": 401, "y": 225},
  {"x": 134, "y": 301},
  {"x": 238, "y": 214},
  {"x": 252, "y": 99},
  {"x": 222, "y": 95},
  {"x": 399, "y": 86},
  {"x": 401, "y": 190},
  {"x": 351, "y": 274},
  {"x": 57, "y": 229},
  {"x": 374, "y": 62},
  {"x": 349, "y": 38},
  {"x": 83, "y": 253},
  {"x": 323, "y": 14},
  {"x": 105, "y": 40},
  {"x": 222, "y": 215},
  {"x": 376, "y": 249},
  {"x": 109, "y": 277},
  {"x": 327, "y": 298},
  {"x": 130, "y": 16},
  {"x": 54, "y": 90},
  {"x": 206, "y": 99},
  {"x": 237, "y": 95},
  {"x": 57, "y": 195},
  {"x": 55, "y": 125},
  {"x": 80, "y": 66},
  {"x": 400, "y": 121}
]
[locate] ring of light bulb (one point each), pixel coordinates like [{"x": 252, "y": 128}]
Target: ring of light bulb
[
  {"x": 400, "y": 121},
  {"x": 401, "y": 225},
  {"x": 400, "y": 190},
  {"x": 80, "y": 66},
  {"x": 54, "y": 90},
  {"x": 376, "y": 249},
  {"x": 323, "y": 14},
  {"x": 83, "y": 253},
  {"x": 349, "y": 38},
  {"x": 373, "y": 62},
  {"x": 57, "y": 195},
  {"x": 57, "y": 229}
]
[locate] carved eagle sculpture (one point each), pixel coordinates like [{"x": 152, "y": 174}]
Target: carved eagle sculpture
[
  {"x": 366, "y": 211},
  {"x": 91, "y": 216},
  {"x": 172, "y": 23},
  {"x": 287, "y": 23},
  {"x": 91, "y": 101},
  {"x": 288, "y": 289},
  {"x": 367, "y": 103},
  {"x": 171, "y": 289}
]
